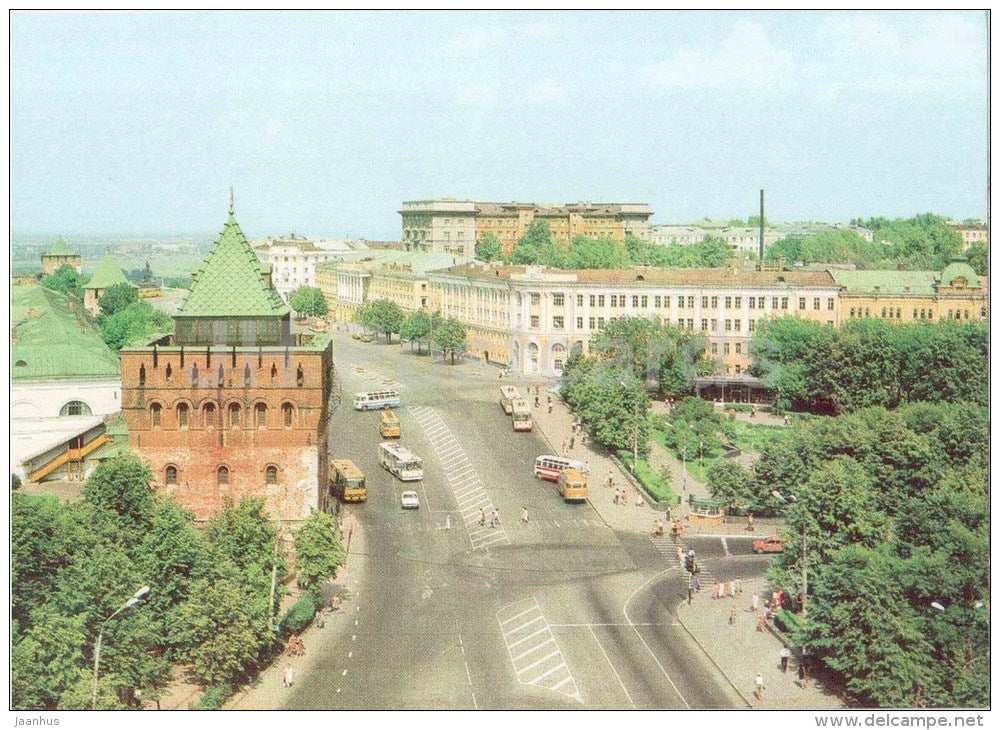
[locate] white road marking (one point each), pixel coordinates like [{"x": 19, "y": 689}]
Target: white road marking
[
  {"x": 343, "y": 673},
  {"x": 611, "y": 664},
  {"x": 541, "y": 664},
  {"x": 350, "y": 654},
  {"x": 655, "y": 659},
  {"x": 465, "y": 484}
]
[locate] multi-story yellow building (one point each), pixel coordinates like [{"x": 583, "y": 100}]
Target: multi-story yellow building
[
  {"x": 455, "y": 226},
  {"x": 531, "y": 317},
  {"x": 398, "y": 276},
  {"x": 972, "y": 233},
  {"x": 957, "y": 292}
]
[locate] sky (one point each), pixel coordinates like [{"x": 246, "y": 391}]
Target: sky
[{"x": 139, "y": 122}]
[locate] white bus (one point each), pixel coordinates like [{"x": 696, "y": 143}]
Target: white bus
[
  {"x": 375, "y": 400},
  {"x": 549, "y": 466},
  {"x": 521, "y": 415},
  {"x": 400, "y": 461},
  {"x": 508, "y": 393}
]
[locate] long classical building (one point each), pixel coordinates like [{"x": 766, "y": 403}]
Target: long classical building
[
  {"x": 232, "y": 404},
  {"x": 293, "y": 260},
  {"x": 455, "y": 226},
  {"x": 531, "y": 316}
]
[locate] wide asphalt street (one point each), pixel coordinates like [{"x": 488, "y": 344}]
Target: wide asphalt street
[{"x": 561, "y": 612}]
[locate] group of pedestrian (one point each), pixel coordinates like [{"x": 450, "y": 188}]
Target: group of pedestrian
[
  {"x": 621, "y": 495},
  {"x": 494, "y": 518}
]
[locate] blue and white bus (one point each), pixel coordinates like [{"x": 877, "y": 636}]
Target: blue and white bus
[{"x": 376, "y": 400}]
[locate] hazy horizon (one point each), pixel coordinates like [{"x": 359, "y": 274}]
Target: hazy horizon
[{"x": 137, "y": 123}]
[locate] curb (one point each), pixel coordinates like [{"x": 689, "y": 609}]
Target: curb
[{"x": 712, "y": 660}]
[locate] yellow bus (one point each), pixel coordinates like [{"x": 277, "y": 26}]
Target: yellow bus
[
  {"x": 388, "y": 425},
  {"x": 347, "y": 481},
  {"x": 573, "y": 485}
]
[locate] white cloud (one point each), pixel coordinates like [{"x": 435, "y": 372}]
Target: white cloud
[
  {"x": 940, "y": 53},
  {"x": 548, "y": 93},
  {"x": 475, "y": 40},
  {"x": 745, "y": 57}
]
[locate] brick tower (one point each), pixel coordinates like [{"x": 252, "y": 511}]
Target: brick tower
[{"x": 233, "y": 403}]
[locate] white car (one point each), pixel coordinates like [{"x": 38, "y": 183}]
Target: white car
[{"x": 409, "y": 500}]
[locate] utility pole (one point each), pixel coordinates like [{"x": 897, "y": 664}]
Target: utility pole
[{"x": 761, "y": 249}]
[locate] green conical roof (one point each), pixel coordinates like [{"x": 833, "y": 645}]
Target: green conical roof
[
  {"x": 60, "y": 249},
  {"x": 107, "y": 275},
  {"x": 231, "y": 281}
]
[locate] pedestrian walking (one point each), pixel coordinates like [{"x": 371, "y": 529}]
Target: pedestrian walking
[
  {"x": 550, "y": 405},
  {"x": 680, "y": 555},
  {"x": 482, "y": 517},
  {"x": 536, "y": 401},
  {"x": 618, "y": 495},
  {"x": 758, "y": 687},
  {"x": 625, "y": 495},
  {"x": 785, "y": 421},
  {"x": 447, "y": 522},
  {"x": 524, "y": 515},
  {"x": 668, "y": 514},
  {"x": 494, "y": 519},
  {"x": 289, "y": 676},
  {"x": 803, "y": 678},
  {"x": 732, "y": 589},
  {"x": 609, "y": 481},
  {"x": 695, "y": 582},
  {"x": 572, "y": 440},
  {"x": 583, "y": 439},
  {"x": 749, "y": 521},
  {"x": 786, "y": 654},
  {"x": 732, "y": 615},
  {"x": 755, "y": 603},
  {"x": 564, "y": 447}
]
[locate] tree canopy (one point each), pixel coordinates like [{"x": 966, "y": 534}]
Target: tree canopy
[
  {"x": 449, "y": 335},
  {"x": 383, "y": 315},
  {"x": 65, "y": 280},
  {"x": 309, "y": 301},
  {"x": 417, "y": 328},
  {"x": 537, "y": 247},
  {"x": 488, "y": 248},
  {"x": 117, "y": 297},
  {"x": 131, "y": 323}
]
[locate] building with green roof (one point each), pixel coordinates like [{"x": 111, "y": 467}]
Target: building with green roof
[
  {"x": 108, "y": 274},
  {"x": 232, "y": 300},
  {"x": 60, "y": 256},
  {"x": 64, "y": 381},
  {"x": 956, "y": 292}
]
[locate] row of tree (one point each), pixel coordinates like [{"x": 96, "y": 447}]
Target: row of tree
[
  {"x": 210, "y": 603},
  {"x": 631, "y": 357},
  {"x": 538, "y": 247},
  {"x": 889, "y": 511},
  {"x": 923, "y": 242},
  {"x": 419, "y": 327},
  {"x": 870, "y": 362}
]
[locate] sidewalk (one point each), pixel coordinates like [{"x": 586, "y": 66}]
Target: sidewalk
[
  {"x": 268, "y": 691},
  {"x": 739, "y": 652}
]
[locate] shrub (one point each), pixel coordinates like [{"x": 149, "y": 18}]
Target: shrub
[
  {"x": 301, "y": 614},
  {"x": 214, "y": 697}
]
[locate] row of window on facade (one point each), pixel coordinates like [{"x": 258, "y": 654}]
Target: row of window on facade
[
  {"x": 660, "y": 301},
  {"x": 705, "y": 325},
  {"x": 222, "y": 475},
  {"x": 208, "y": 415},
  {"x": 168, "y": 373},
  {"x": 922, "y": 313}
]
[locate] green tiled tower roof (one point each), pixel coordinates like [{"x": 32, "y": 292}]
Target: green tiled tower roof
[
  {"x": 232, "y": 281},
  {"x": 107, "y": 275},
  {"x": 52, "y": 338},
  {"x": 60, "y": 249}
]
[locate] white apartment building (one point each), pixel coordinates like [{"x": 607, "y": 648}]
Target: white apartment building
[
  {"x": 440, "y": 226},
  {"x": 531, "y": 317},
  {"x": 293, "y": 260}
]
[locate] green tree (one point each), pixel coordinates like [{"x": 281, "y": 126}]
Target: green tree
[
  {"x": 979, "y": 258},
  {"x": 117, "y": 297},
  {"x": 730, "y": 482},
  {"x": 611, "y": 401},
  {"x": 713, "y": 253},
  {"x": 45, "y": 660},
  {"x": 383, "y": 315},
  {"x": 65, "y": 280},
  {"x": 309, "y": 301},
  {"x": 79, "y": 694},
  {"x": 243, "y": 535},
  {"x": 134, "y": 322},
  {"x": 789, "y": 249},
  {"x": 597, "y": 253},
  {"x": 488, "y": 248},
  {"x": 537, "y": 247},
  {"x": 318, "y": 550},
  {"x": 449, "y": 335},
  {"x": 417, "y": 328},
  {"x": 224, "y": 632},
  {"x": 123, "y": 486}
]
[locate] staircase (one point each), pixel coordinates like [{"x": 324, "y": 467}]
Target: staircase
[{"x": 69, "y": 455}]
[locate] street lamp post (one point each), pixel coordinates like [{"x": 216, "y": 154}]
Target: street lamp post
[{"x": 136, "y": 597}]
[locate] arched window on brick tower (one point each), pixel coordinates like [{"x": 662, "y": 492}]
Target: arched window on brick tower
[
  {"x": 234, "y": 415},
  {"x": 171, "y": 475},
  {"x": 208, "y": 415},
  {"x": 271, "y": 474},
  {"x": 299, "y": 376},
  {"x": 287, "y": 414},
  {"x": 260, "y": 415},
  {"x": 155, "y": 415},
  {"x": 222, "y": 475},
  {"x": 182, "y": 415}
]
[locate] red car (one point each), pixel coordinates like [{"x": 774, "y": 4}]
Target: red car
[{"x": 770, "y": 544}]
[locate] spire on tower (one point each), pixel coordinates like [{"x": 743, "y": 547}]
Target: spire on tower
[{"x": 231, "y": 200}]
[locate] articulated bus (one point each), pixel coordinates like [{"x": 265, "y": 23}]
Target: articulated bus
[
  {"x": 549, "y": 467},
  {"x": 400, "y": 461},
  {"x": 347, "y": 481},
  {"x": 521, "y": 415},
  {"x": 508, "y": 393},
  {"x": 375, "y": 400}
]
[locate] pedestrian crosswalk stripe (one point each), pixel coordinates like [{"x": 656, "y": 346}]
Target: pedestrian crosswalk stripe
[{"x": 538, "y": 661}]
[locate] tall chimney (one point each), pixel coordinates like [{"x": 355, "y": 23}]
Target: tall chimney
[{"x": 761, "y": 230}]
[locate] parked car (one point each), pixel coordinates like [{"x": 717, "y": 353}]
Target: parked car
[
  {"x": 409, "y": 500},
  {"x": 770, "y": 544}
]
